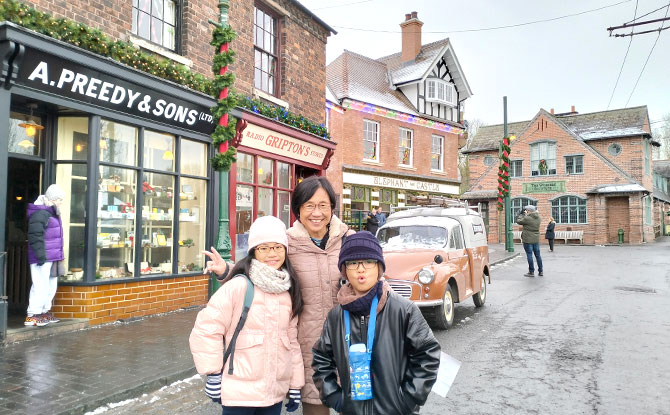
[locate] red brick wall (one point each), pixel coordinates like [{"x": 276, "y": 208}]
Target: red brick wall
[
  {"x": 347, "y": 131},
  {"x": 303, "y": 43},
  {"x": 110, "y": 302},
  {"x": 596, "y": 172}
]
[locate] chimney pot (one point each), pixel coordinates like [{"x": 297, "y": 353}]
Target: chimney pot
[
  {"x": 572, "y": 109},
  {"x": 552, "y": 111},
  {"x": 411, "y": 37}
]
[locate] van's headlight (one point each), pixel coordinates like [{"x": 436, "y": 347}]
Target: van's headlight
[{"x": 426, "y": 276}]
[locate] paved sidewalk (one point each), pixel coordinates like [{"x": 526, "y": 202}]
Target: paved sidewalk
[{"x": 76, "y": 372}]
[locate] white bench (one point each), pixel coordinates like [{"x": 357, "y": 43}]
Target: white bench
[
  {"x": 570, "y": 235},
  {"x": 564, "y": 235}
]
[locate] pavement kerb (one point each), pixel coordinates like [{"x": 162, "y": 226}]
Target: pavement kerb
[
  {"x": 507, "y": 258},
  {"x": 130, "y": 393}
]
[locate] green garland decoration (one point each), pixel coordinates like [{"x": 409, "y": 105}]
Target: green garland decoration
[
  {"x": 94, "y": 40},
  {"x": 284, "y": 116},
  {"x": 223, "y": 35}
]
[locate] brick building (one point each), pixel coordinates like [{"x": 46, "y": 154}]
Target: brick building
[
  {"x": 591, "y": 172},
  {"x": 662, "y": 197},
  {"x": 397, "y": 121},
  {"x": 132, "y": 149}
]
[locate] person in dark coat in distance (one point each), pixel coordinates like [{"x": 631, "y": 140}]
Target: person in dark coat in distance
[
  {"x": 372, "y": 223},
  {"x": 45, "y": 255},
  {"x": 403, "y": 354},
  {"x": 530, "y": 237},
  {"x": 550, "y": 234}
]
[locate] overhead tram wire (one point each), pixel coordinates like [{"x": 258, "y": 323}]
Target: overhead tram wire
[
  {"x": 492, "y": 28},
  {"x": 624, "y": 58},
  {"x": 646, "y": 14},
  {"x": 649, "y": 56}
]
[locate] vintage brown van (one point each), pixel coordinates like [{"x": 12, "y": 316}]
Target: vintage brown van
[{"x": 436, "y": 257}]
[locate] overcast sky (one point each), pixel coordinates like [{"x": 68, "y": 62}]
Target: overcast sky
[{"x": 553, "y": 64}]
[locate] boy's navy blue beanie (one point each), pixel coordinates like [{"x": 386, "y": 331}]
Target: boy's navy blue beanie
[{"x": 361, "y": 245}]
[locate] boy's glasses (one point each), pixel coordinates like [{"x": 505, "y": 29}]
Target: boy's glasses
[
  {"x": 264, "y": 249},
  {"x": 367, "y": 264}
]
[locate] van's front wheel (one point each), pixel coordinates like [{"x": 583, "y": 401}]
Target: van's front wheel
[
  {"x": 444, "y": 313},
  {"x": 480, "y": 297}
]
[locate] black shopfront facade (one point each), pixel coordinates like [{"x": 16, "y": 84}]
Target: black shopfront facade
[{"x": 131, "y": 151}]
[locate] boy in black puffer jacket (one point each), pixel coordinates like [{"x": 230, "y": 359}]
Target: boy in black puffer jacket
[{"x": 393, "y": 352}]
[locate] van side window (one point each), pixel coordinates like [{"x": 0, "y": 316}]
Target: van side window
[{"x": 456, "y": 239}]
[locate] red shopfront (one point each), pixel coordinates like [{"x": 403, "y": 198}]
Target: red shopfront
[{"x": 271, "y": 160}]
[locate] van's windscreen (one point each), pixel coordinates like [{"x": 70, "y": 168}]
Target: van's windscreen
[{"x": 412, "y": 237}]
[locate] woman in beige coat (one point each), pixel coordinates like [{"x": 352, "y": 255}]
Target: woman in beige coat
[
  {"x": 267, "y": 358},
  {"x": 314, "y": 243}
]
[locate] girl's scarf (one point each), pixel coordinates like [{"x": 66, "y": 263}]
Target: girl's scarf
[{"x": 268, "y": 279}]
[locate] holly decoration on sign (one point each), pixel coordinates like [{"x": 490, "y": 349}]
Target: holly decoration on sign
[
  {"x": 542, "y": 166},
  {"x": 503, "y": 173}
]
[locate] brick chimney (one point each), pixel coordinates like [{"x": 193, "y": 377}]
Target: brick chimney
[
  {"x": 552, "y": 111},
  {"x": 411, "y": 36}
]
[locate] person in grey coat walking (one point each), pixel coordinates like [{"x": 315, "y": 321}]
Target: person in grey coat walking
[{"x": 530, "y": 237}]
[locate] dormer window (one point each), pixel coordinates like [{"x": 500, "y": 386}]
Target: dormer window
[{"x": 441, "y": 91}]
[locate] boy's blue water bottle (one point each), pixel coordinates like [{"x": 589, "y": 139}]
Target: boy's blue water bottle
[{"x": 360, "y": 358}]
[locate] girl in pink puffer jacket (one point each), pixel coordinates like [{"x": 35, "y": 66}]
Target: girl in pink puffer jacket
[{"x": 267, "y": 359}]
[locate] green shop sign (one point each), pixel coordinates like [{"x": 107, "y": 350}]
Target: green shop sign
[{"x": 544, "y": 187}]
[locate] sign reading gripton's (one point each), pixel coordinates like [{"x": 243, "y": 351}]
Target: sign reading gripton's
[
  {"x": 66, "y": 78},
  {"x": 264, "y": 139}
]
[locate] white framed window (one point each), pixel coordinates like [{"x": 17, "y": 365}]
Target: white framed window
[
  {"x": 543, "y": 159},
  {"x": 265, "y": 51},
  {"x": 436, "y": 151},
  {"x": 405, "y": 143},
  {"x": 156, "y": 21},
  {"x": 569, "y": 210},
  {"x": 441, "y": 91},
  {"x": 516, "y": 168},
  {"x": 370, "y": 140},
  {"x": 574, "y": 164}
]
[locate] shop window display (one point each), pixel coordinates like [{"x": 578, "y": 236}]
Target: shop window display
[
  {"x": 115, "y": 223},
  {"x": 192, "y": 224},
  {"x": 157, "y": 223},
  {"x": 244, "y": 217}
]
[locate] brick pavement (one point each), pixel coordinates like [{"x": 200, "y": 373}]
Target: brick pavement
[{"x": 77, "y": 372}]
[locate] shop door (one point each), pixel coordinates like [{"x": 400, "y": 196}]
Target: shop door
[{"x": 23, "y": 186}]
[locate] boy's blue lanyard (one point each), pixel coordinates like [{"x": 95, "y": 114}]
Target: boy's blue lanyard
[{"x": 371, "y": 326}]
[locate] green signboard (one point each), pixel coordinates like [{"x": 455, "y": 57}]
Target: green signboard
[{"x": 544, "y": 187}]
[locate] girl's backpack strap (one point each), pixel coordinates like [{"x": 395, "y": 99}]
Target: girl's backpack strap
[{"x": 248, "y": 299}]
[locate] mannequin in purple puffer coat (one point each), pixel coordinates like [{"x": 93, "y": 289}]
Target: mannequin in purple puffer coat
[{"x": 45, "y": 254}]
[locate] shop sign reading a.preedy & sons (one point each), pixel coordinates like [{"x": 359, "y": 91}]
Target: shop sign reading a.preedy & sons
[
  {"x": 59, "y": 76},
  {"x": 264, "y": 139}
]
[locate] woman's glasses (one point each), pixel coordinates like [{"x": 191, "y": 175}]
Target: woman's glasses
[
  {"x": 265, "y": 249},
  {"x": 309, "y": 207},
  {"x": 367, "y": 264}
]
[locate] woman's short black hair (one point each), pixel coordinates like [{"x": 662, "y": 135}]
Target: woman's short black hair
[{"x": 306, "y": 189}]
